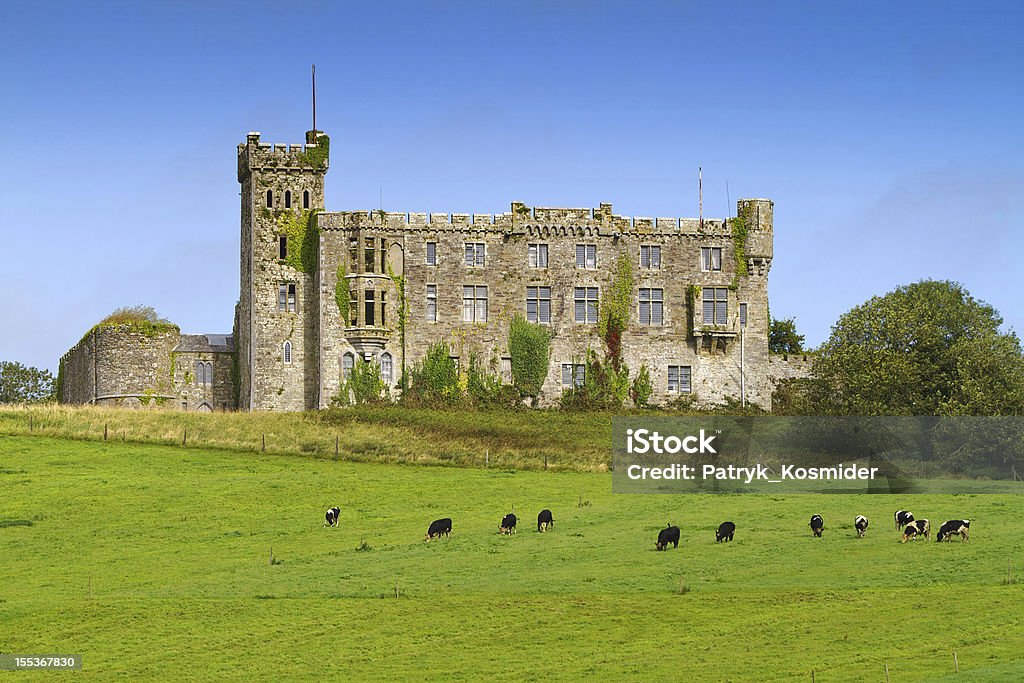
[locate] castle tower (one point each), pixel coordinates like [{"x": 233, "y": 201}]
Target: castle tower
[{"x": 277, "y": 313}]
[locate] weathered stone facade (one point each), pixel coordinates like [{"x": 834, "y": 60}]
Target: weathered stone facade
[{"x": 319, "y": 289}]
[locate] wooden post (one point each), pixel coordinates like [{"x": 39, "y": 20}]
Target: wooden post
[
  {"x": 887, "y": 672},
  {"x": 264, "y": 437},
  {"x": 487, "y": 458},
  {"x": 184, "y": 438},
  {"x": 104, "y": 431},
  {"x": 396, "y": 588},
  {"x": 90, "y": 588},
  {"x": 1009, "y": 571},
  {"x": 30, "y": 423},
  {"x": 545, "y": 461},
  {"x": 681, "y": 592},
  {"x": 336, "y": 440},
  {"x": 812, "y": 675},
  {"x": 956, "y": 663},
  {"x": 271, "y": 555}
]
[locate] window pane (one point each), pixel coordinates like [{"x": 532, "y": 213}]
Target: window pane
[
  {"x": 645, "y": 257},
  {"x": 716, "y": 259},
  {"x": 591, "y": 311},
  {"x": 481, "y": 310},
  {"x": 684, "y": 378},
  {"x": 657, "y": 313},
  {"x": 645, "y": 294},
  {"x": 591, "y": 256},
  {"x": 531, "y": 310},
  {"x": 545, "y": 311},
  {"x": 645, "y": 313},
  {"x": 581, "y": 311},
  {"x": 542, "y": 259},
  {"x": 480, "y": 254},
  {"x": 431, "y": 253},
  {"x": 566, "y": 375},
  {"x": 656, "y": 257},
  {"x": 720, "y": 313},
  {"x": 470, "y": 254},
  {"x": 709, "y": 312},
  {"x": 581, "y": 256}
]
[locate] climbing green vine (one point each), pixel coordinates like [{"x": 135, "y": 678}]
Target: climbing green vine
[
  {"x": 341, "y": 294},
  {"x": 403, "y": 309},
  {"x": 614, "y": 316},
  {"x": 739, "y": 243},
  {"x": 316, "y": 156},
  {"x": 303, "y": 239}
]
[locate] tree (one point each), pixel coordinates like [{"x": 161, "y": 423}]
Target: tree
[
  {"x": 783, "y": 337},
  {"x": 928, "y": 348},
  {"x": 21, "y": 384},
  {"x": 529, "y": 346},
  {"x": 134, "y": 314}
]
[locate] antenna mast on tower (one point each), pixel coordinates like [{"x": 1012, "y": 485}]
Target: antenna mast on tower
[
  {"x": 700, "y": 196},
  {"x": 314, "y": 104}
]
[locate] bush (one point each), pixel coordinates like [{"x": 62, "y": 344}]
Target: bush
[
  {"x": 434, "y": 380},
  {"x": 529, "y": 345},
  {"x": 642, "y": 388}
]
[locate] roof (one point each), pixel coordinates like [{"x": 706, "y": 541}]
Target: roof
[{"x": 205, "y": 343}]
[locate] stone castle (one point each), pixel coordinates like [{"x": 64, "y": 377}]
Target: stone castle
[{"x": 320, "y": 289}]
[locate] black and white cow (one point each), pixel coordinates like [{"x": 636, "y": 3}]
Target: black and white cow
[
  {"x": 725, "y": 531},
  {"x": 669, "y": 534},
  {"x": 439, "y": 528},
  {"x": 919, "y": 527},
  {"x": 861, "y": 525},
  {"x": 331, "y": 517},
  {"x": 903, "y": 517},
  {"x": 544, "y": 521},
  {"x": 817, "y": 524},
  {"x": 952, "y": 528},
  {"x": 508, "y": 524}
]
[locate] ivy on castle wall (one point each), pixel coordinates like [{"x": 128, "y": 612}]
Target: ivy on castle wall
[
  {"x": 341, "y": 293},
  {"x": 615, "y": 308},
  {"x": 403, "y": 309},
  {"x": 739, "y": 227},
  {"x": 303, "y": 239},
  {"x": 316, "y": 156}
]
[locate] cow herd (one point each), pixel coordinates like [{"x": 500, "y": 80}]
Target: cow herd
[
  {"x": 904, "y": 519},
  {"x": 912, "y": 528}
]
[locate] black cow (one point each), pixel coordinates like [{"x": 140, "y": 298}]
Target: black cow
[
  {"x": 508, "y": 524},
  {"x": 817, "y": 524},
  {"x": 725, "y": 531},
  {"x": 669, "y": 534},
  {"x": 903, "y": 517},
  {"x": 544, "y": 521},
  {"x": 439, "y": 528},
  {"x": 954, "y": 527},
  {"x": 331, "y": 518},
  {"x": 919, "y": 527},
  {"x": 861, "y": 525}
]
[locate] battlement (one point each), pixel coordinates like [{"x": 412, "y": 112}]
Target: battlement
[
  {"x": 522, "y": 218},
  {"x": 255, "y": 155}
]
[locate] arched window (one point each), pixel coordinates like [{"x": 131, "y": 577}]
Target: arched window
[
  {"x": 287, "y": 352},
  {"x": 348, "y": 361},
  {"x": 386, "y": 368},
  {"x": 305, "y": 199},
  {"x": 209, "y": 374},
  {"x": 270, "y": 199},
  {"x": 287, "y": 199},
  {"x": 200, "y": 373}
]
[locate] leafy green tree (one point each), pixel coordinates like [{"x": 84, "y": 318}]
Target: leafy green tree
[
  {"x": 783, "y": 337},
  {"x": 928, "y": 348},
  {"x": 529, "y": 346},
  {"x": 21, "y": 384},
  {"x": 365, "y": 384},
  {"x": 642, "y": 388},
  {"x": 435, "y": 379}
]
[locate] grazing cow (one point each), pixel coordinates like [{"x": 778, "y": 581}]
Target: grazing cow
[
  {"x": 952, "y": 528},
  {"x": 669, "y": 534},
  {"x": 508, "y": 524},
  {"x": 439, "y": 528},
  {"x": 331, "y": 518},
  {"x": 921, "y": 527},
  {"x": 725, "y": 531},
  {"x": 817, "y": 524},
  {"x": 544, "y": 521},
  {"x": 903, "y": 517},
  {"x": 861, "y": 525}
]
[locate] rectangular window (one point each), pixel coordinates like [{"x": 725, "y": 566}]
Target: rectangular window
[
  {"x": 716, "y": 305},
  {"x": 651, "y": 306},
  {"x": 650, "y": 256},
  {"x": 475, "y": 254},
  {"x": 586, "y": 256},
  {"x": 538, "y": 304},
  {"x": 432, "y": 303},
  {"x": 369, "y": 297},
  {"x": 585, "y": 304},
  {"x": 743, "y": 315},
  {"x": 474, "y": 304},
  {"x": 710, "y": 258},
  {"x": 282, "y": 247},
  {"x": 506, "y": 369},
  {"x": 370, "y": 256},
  {"x": 383, "y": 309},
  {"x": 573, "y": 375},
  {"x": 286, "y": 297},
  {"x": 353, "y": 307},
  {"x": 431, "y": 253},
  {"x": 537, "y": 255},
  {"x": 679, "y": 378}
]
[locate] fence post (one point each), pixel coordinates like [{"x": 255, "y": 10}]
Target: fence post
[
  {"x": 545, "y": 461},
  {"x": 336, "y": 439},
  {"x": 264, "y": 438},
  {"x": 487, "y": 458},
  {"x": 956, "y": 663},
  {"x": 30, "y": 426},
  {"x": 887, "y": 672},
  {"x": 184, "y": 439},
  {"x": 271, "y": 555},
  {"x": 104, "y": 431}
]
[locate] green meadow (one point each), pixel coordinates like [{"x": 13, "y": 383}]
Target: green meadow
[{"x": 157, "y": 561}]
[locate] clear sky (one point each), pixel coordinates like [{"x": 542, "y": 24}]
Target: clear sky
[{"x": 889, "y": 135}]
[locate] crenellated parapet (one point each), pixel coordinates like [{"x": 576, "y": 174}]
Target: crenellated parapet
[{"x": 255, "y": 155}]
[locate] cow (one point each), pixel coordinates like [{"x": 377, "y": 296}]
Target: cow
[
  {"x": 439, "y": 528},
  {"x": 670, "y": 534},
  {"x": 725, "y": 531},
  {"x": 952, "y": 528},
  {"x": 861, "y": 525},
  {"x": 903, "y": 517},
  {"x": 817, "y": 524},
  {"x": 508, "y": 524},
  {"x": 544, "y": 521},
  {"x": 331, "y": 517},
  {"x": 919, "y": 527}
]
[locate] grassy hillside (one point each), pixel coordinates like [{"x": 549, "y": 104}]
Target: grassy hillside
[
  {"x": 524, "y": 439},
  {"x": 154, "y": 562}
]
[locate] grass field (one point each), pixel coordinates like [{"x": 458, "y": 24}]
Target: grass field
[{"x": 153, "y": 562}]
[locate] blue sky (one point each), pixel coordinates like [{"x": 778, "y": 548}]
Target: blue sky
[{"x": 888, "y": 135}]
